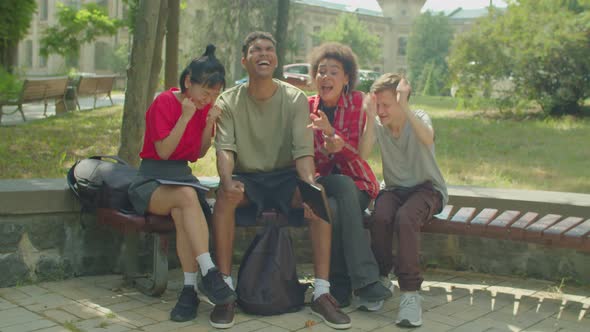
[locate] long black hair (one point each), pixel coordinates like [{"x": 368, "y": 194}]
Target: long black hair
[{"x": 205, "y": 70}]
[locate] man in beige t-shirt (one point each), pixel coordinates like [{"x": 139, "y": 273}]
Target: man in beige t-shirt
[{"x": 263, "y": 144}]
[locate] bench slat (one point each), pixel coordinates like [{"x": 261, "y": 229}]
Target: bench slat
[
  {"x": 554, "y": 234},
  {"x": 563, "y": 226},
  {"x": 484, "y": 217},
  {"x": 516, "y": 229},
  {"x": 459, "y": 223},
  {"x": 464, "y": 215},
  {"x": 499, "y": 226},
  {"x": 478, "y": 225},
  {"x": 445, "y": 213},
  {"x": 438, "y": 224},
  {"x": 534, "y": 231},
  {"x": 579, "y": 231},
  {"x": 543, "y": 223}
]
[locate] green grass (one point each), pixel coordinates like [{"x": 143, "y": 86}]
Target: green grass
[{"x": 472, "y": 148}]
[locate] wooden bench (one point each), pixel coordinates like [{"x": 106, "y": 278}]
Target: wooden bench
[
  {"x": 38, "y": 89},
  {"x": 95, "y": 86},
  {"x": 540, "y": 227},
  {"x": 160, "y": 228}
]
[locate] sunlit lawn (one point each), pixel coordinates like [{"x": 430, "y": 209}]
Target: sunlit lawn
[{"x": 472, "y": 149}]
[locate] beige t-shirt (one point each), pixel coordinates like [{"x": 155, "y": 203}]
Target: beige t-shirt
[
  {"x": 265, "y": 135},
  {"x": 407, "y": 162}
]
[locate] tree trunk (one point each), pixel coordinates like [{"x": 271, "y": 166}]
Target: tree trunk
[
  {"x": 281, "y": 35},
  {"x": 173, "y": 25},
  {"x": 136, "y": 94},
  {"x": 8, "y": 54},
  {"x": 241, "y": 14},
  {"x": 157, "y": 57}
]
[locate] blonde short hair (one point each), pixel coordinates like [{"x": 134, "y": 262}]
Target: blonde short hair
[{"x": 387, "y": 81}]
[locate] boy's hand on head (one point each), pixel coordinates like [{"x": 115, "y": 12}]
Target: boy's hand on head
[
  {"x": 403, "y": 91},
  {"x": 370, "y": 104}
]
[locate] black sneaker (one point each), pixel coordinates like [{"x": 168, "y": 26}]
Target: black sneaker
[
  {"x": 216, "y": 289},
  {"x": 342, "y": 295},
  {"x": 222, "y": 316},
  {"x": 373, "y": 292},
  {"x": 186, "y": 307}
]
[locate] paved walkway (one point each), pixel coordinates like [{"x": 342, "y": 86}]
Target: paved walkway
[
  {"x": 34, "y": 111},
  {"x": 453, "y": 301}
]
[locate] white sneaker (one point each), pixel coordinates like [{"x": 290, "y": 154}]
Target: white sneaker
[
  {"x": 372, "y": 306},
  {"x": 387, "y": 283},
  {"x": 364, "y": 305},
  {"x": 410, "y": 310}
]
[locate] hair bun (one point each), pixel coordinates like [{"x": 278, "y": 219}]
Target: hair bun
[{"x": 210, "y": 50}]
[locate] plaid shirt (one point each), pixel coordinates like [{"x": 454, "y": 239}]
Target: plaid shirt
[{"x": 349, "y": 123}]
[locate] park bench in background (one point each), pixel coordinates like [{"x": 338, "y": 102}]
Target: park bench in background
[
  {"x": 541, "y": 218},
  {"x": 38, "y": 89},
  {"x": 95, "y": 86}
]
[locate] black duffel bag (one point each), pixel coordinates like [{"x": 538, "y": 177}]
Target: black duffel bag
[
  {"x": 102, "y": 182},
  {"x": 267, "y": 279}
]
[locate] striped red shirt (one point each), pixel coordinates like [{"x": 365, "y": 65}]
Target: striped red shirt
[{"x": 349, "y": 122}]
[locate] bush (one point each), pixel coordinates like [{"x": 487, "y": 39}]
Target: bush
[
  {"x": 10, "y": 85},
  {"x": 364, "y": 85}
]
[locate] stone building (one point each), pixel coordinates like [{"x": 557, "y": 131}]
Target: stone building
[
  {"x": 392, "y": 25},
  {"x": 94, "y": 57}
]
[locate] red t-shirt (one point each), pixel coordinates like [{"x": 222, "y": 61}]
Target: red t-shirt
[{"x": 161, "y": 118}]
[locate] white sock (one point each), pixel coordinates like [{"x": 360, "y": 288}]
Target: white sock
[
  {"x": 321, "y": 287},
  {"x": 190, "y": 279},
  {"x": 229, "y": 281},
  {"x": 205, "y": 263}
]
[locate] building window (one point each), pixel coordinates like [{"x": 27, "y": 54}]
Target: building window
[
  {"x": 402, "y": 43},
  {"x": 300, "y": 37},
  {"x": 42, "y": 61},
  {"x": 43, "y": 8},
  {"x": 73, "y": 4},
  {"x": 103, "y": 52},
  {"x": 315, "y": 40},
  {"x": 29, "y": 53},
  {"x": 103, "y": 3}
]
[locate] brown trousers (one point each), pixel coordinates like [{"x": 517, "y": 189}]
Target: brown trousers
[{"x": 402, "y": 211}]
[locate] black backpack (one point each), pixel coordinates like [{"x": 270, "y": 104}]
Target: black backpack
[
  {"x": 267, "y": 279},
  {"x": 102, "y": 182}
]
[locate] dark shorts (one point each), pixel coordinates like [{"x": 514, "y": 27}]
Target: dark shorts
[
  {"x": 144, "y": 184},
  {"x": 266, "y": 191}
]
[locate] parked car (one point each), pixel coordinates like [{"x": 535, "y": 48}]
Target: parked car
[
  {"x": 366, "y": 79},
  {"x": 368, "y": 75}
]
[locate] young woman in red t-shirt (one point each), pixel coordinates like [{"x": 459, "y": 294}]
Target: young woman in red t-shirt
[{"x": 179, "y": 127}]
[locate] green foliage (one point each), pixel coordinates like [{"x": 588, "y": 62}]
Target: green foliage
[
  {"x": 10, "y": 85},
  {"x": 129, "y": 19},
  {"x": 364, "y": 85},
  {"x": 349, "y": 30},
  {"x": 535, "y": 50},
  {"x": 428, "y": 47},
  {"x": 245, "y": 16},
  {"x": 15, "y": 20},
  {"x": 75, "y": 28}
]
